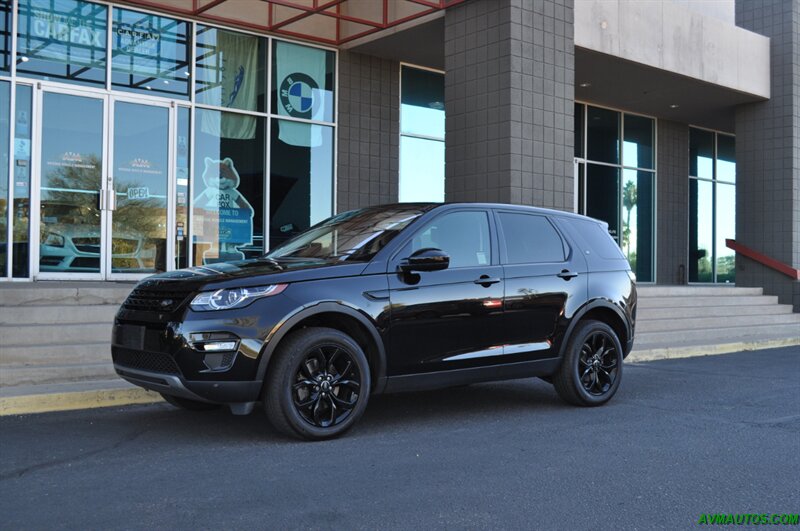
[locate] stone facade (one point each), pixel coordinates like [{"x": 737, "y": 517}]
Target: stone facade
[
  {"x": 672, "y": 209},
  {"x": 768, "y": 154},
  {"x": 509, "y": 92}
]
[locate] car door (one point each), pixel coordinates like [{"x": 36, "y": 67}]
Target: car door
[
  {"x": 451, "y": 318},
  {"x": 544, "y": 278}
]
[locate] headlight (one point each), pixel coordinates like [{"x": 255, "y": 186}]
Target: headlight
[
  {"x": 52, "y": 239},
  {"x": 227, "y": 299}
]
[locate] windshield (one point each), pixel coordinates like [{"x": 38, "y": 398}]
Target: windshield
[{"x": 353, "y": 236}]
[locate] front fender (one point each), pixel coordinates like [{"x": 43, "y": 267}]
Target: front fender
[{"x": 286, "y": 325}]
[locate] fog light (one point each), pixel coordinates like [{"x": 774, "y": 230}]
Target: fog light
[{"x": 217, "y": 346}]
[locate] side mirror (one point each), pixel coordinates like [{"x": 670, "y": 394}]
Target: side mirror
[{"x": 427, "y": 259}]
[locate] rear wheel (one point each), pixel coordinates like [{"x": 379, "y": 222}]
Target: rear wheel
[
  {"x": 591, "y": 371},
  {"x": 190, "y": 405},
  {"x": 319, "y": 384}
]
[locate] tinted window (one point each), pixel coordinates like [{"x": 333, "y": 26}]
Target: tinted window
[
  {"x": 596, "y": 238},
  {"x": 462, "y": 235},
  {"x": 530, "y": 239}
]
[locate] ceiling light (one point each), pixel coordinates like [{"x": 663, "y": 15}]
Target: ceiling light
[
  {"x": 585, "y": 84},
  {"x": 674, "y": 106}
]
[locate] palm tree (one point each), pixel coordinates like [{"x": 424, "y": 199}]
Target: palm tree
[{"x": 629, "y": 197}]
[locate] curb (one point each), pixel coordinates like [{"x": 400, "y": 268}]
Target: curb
[
  {"x": 708, "y": 350},
  {"x": 68, "y": 401},
  {"x": 75, "y": 400}
]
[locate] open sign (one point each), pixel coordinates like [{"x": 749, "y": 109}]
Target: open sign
[{"x": 142, "y": 192}]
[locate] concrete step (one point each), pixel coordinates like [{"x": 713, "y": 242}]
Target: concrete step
[
  {"x": 644, "y": 326},
  {"x": 43, "y": 294},
  {"x": 11, "y": 376},
  {"x": 716, "y": 311},
  {"x": 55, "y": 354},
  {"x": 706, "y": 301},
  {"x": 682, "y": 291},
  {"x": 62, "y": 314},
  {"x": 716, "y": 335},
  {"x": 36, "y": 335}
]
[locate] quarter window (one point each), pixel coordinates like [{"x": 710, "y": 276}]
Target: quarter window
[
  {"x": 464, "y": 236},
  {"x": 530, "y": 239}
]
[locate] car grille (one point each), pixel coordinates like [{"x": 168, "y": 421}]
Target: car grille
[
  {"x": 147, "y": 300},
  {"x": 146, "y": 361},
  {"x": 87, "y": 245}
]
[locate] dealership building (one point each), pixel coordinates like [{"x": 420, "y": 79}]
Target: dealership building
[{"x": 150, "y": 135}]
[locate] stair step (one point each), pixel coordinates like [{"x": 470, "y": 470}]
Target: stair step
[
  {"x": 716, "y": 311},
  {"x": 683, "y": 291},
  {"x": 11, "y": 376},
  {"x": 37, "y": 294},
  {"x": 56, "y": 335},
  {"x": 705, "y": 301},
  {"x": 57, "y": 314},
  {"x": 644, "y": 326},
  {"x": 717, "y": 335},
  {"x": 55, "y": 354}
]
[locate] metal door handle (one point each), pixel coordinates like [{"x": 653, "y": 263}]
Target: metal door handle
[
  {"x": 567, "y": 274},
  {"x": 112, "y": 200},
  {"x": 486, "y": 281}
]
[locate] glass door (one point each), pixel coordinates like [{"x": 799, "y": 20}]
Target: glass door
[
  {"x": 140, "y": 179},
  {"x": 72, "y": 197}
]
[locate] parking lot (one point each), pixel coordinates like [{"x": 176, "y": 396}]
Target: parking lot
[{"x": 681, "y": 438}]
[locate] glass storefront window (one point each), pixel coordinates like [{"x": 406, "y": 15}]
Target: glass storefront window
[
  {"x": 150, "y": 54},
  {"x": 602, "y": 129},
  {"x": 20, "y": 216},
  {"x": 603, "y": 196},
  {"x": 228, "y": 202},
  {"x": 637, "y": 221},
  {"x": 578, "y": 128},
  {"x": 182, "y": 132},
  {"x": 637, "y": 149},
  {"x": 5, "y": 123},
  {"x": 302, "y": 81},
  {"x": 5, "y": 35},
  {"x": 422, "y": 132},
  {"x": 301, "y": 178},
  {"x": 62, "y": 40},
  {"x": 712, "y": 206},
  {"x": 701, "y": 153},
  {"x": 230, "y": 69},
  {"x": 422, "y": 103}
]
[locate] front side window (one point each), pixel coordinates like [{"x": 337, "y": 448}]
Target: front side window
[
  {"x": 421, "y": 136},
  {"x": 62, "y": 40},
  {"x": 150, "y": 54},
  {"x": 530, "y": 239},
  {"x": 464, "y": 236}
]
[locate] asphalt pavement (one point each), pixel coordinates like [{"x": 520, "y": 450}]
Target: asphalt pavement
[{"x": 682, "y": 437}]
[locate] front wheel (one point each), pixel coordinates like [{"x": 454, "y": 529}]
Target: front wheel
[
  {"x": 591, "y": 371},
  {"x": 319, "y": 384}
]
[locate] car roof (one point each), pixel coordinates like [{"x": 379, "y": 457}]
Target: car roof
[{"x": 498, "y": 206}]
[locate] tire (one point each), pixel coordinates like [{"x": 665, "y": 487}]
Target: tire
[
  {"x": 189, "y": 405},
  {"x": 591, "y": 371},
  {"x": 301, "y": 395}
]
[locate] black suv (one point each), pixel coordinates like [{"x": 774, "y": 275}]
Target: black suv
[{"x": 384, "y": 299}]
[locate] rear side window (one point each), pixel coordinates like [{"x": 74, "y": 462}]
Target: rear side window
[
  {"x": 464, "y": 236},
  {"x": 597, "y": 238},
  {"x": 530, "y": 239}
]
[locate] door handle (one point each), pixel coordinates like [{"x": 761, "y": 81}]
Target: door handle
[
  {"x": 566, "y": 274},
  {"x": 486, "y": 281}
]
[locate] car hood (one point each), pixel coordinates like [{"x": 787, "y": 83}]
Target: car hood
[{"x": 253, "y": 272}]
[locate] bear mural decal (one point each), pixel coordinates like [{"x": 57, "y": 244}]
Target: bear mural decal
[{"x": 222, "y": 213}]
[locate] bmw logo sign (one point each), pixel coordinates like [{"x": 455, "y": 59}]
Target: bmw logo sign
[{"x": 297, "y": 95}]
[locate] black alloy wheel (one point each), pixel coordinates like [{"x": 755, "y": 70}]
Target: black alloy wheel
[
  {"x": 327, "y": 386},
  {"x": 598, "y": 363},
  {"x": 318, "y": 385},
  {"x": 591, "y": 370}
]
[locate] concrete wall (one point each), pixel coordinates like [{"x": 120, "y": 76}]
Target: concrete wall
[
  {"x": 768, "y": 154},
  {"x": 368, "y": 131},
  {"x": 672, "y": 209},
  {"x": 669, "y": 36},
  {"x": 509, "y": 90}
]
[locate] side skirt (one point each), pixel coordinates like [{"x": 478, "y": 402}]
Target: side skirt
[{"x": 441, "y": 379}]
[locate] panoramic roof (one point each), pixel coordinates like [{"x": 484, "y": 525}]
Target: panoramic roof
[{"x": 331, "y": 22}]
